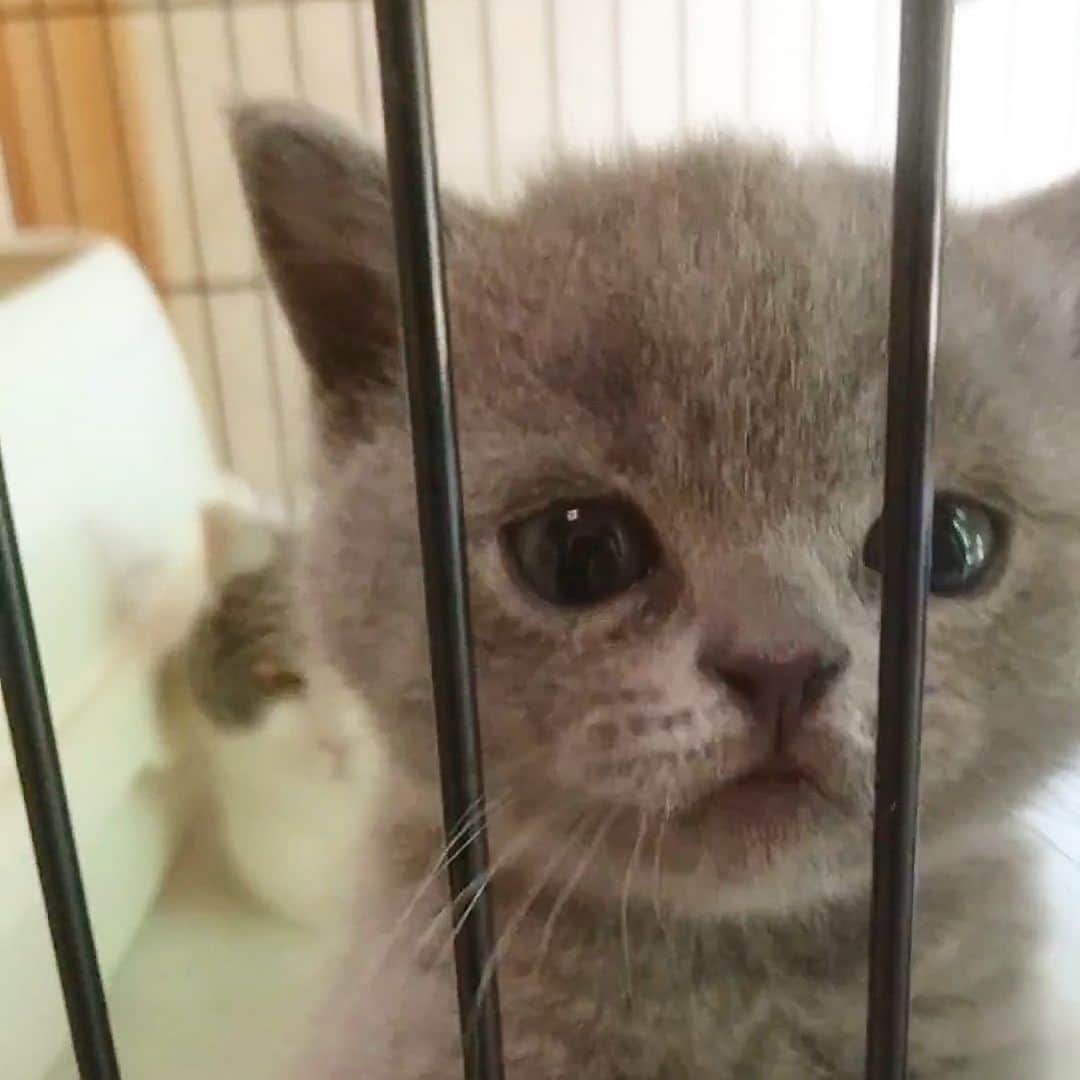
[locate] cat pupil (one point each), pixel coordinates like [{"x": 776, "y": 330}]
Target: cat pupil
[{"x": 589, "y": 564}]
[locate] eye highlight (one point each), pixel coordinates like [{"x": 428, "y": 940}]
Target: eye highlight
[
  {"x": 579, "y": 553},
  {"x": 966, "y": 545}
]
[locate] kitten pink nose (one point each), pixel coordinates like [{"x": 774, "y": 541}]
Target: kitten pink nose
[{"x": 777, "y": 691}]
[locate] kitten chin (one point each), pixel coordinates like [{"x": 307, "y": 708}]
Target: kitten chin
[{"x": 670, "y": 378}]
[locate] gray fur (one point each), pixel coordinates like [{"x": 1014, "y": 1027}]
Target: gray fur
[{"x": 701, "y": 329}]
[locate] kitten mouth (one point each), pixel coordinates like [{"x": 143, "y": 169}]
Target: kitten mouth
[
  {"x": 765, "y": 795},
  {"x": 778, "y": 769},
  {"x": 775, "y": 772}
]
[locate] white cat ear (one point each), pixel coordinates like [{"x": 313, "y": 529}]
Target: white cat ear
[
  {"x": 239, "y": 535},
  {"x": 320, "y": 204}
]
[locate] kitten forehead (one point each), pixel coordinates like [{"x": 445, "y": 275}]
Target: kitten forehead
[
  {"x": 709, "y": 321},
  {"x": 713, "y": 323}
]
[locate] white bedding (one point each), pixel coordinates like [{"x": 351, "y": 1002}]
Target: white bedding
[{"x": 107, "y": 464}]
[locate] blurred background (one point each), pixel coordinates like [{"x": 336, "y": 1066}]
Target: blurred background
[{"x": 134, "y": 378}]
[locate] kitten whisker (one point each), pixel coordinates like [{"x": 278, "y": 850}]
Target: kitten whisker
[
  {"x": 476, "y": 889},
  {"x": 481, "y": 806},
  {"x": 505, "y": 938},
  {"x": 475, "y": 821},
  {"x": 657, "y": 868}
]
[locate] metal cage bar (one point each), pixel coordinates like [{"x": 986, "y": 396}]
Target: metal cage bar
[
  {"x": 410, "y": 151},
  {"x": 27, "y": 704},
  {"x": 913, "y": 316}
]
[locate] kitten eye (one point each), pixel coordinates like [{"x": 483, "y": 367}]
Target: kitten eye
[
  {"x": 965, "y": 545},
  {"x": 579, "y": 553}
]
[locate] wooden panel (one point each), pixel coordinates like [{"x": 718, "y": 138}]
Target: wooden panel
[
  {"x": 41, "y": 188},
  {"x": 70, "y": 129}
]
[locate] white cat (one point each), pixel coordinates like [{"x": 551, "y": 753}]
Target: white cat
[{"x": 279, "y": 741}]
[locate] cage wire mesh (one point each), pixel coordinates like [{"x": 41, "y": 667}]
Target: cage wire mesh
[{"x": 513, "y": 82}]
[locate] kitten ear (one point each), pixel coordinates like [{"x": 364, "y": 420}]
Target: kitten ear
[{"x": 321, "y": 207}]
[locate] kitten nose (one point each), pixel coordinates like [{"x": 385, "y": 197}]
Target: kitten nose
[{"x": 777, "y": 691}]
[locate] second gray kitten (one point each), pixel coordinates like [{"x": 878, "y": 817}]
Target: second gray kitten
[{"x": 670, "y": 375}]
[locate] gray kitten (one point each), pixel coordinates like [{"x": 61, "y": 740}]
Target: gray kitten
[{"x": 670, "y": 376}]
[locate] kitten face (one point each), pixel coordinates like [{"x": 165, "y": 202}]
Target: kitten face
[{"x": 697, "y": 338}]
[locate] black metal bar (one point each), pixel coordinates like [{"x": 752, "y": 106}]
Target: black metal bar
[
  {"x": 916, "y": 255},
  {"x": 407, "y": 114},
  {"x": 27, "y": 706}
]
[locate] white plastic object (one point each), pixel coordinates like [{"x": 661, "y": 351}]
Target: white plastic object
[{"x": 108, "y": 463}]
